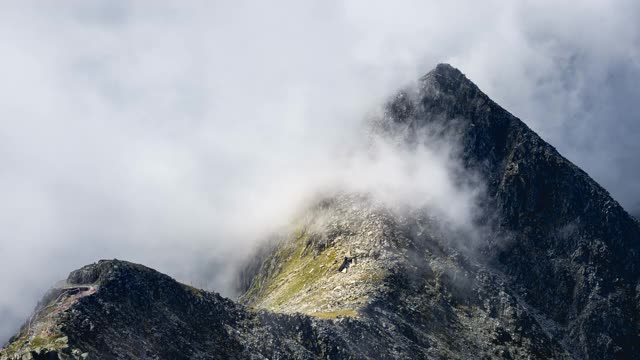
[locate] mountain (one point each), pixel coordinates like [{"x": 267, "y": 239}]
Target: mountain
[
  {"x": 554, "y": 273},
  {"x": 574, "y": 251}
]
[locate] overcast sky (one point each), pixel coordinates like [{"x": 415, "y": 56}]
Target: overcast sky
[{"x": 173, "y": 133}]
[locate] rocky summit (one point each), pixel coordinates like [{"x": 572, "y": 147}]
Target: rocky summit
[{"x": 551, "y": 270}]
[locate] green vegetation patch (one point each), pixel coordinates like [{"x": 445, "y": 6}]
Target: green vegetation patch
[
  {"x": 334, "y": 314},
  {"x": 294, "y": 266},
  {"x": 41, "y": 341},
  {"x": 302, "y": 269}
]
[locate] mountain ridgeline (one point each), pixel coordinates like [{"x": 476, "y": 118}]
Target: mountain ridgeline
[{"x": 554, "y": 272}]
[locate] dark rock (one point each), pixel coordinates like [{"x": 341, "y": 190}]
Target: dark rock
[{"x": 572, "y": 249}]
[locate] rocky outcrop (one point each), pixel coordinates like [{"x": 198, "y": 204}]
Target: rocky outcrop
[
  {"x": 136, "y": 312},
  {"x": 572, "y": 251},
  {"x": 408, "y": 276},
  {"x": 555, "y": 275}
]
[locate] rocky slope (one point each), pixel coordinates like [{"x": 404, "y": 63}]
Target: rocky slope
[
  {"x": 554, "y": 276},
  {"x": 573, "y": 253}
]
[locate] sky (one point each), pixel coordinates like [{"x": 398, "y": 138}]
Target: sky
[{"x": 175, "y": 133}]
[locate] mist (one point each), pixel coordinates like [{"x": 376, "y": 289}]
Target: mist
[{"x": 176, "y": 135}]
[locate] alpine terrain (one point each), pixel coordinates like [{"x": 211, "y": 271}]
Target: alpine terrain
[{"x": 550, "y": 270}]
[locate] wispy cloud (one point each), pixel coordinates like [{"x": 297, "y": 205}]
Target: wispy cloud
[{"x": 174, "y": 133}]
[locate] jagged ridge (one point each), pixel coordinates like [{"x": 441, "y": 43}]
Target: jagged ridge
[{"x": 558, "y": 277}]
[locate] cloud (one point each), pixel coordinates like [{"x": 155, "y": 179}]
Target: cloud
[{"x": 174, "y": 133}]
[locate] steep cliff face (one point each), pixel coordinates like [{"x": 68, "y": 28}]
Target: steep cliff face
[
  {"x": 555, "y": 275},
  {"x": 572, "y": 251}
]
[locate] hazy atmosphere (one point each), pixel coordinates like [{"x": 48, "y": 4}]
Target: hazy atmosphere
[{"x": 176, "y": 134}]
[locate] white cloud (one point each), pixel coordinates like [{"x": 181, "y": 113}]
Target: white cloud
[{"x": 173, "y": 133}]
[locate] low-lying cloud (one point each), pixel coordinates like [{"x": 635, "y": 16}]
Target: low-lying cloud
[{"x": 175, "y": 134}]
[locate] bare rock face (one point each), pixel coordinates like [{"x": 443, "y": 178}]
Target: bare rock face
[
  {"x": 573, "y": 251},
  {"x": 555, "y": 275},
  {"x": 403, "y": 275}
]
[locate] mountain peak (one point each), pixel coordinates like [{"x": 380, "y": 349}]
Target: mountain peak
[
  {"x": 445, "y": 71},
  {"x": 448, "y": 78}
]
